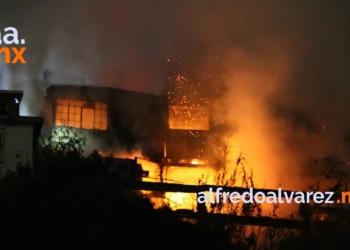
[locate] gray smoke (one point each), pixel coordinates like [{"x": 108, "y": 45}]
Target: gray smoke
[{"x": 285, "y": 63}]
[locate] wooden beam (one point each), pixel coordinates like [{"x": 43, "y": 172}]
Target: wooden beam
[{"x": 170, "y": 187}]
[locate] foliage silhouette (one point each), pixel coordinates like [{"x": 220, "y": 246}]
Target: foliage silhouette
[{"x": 70, "y": 201}]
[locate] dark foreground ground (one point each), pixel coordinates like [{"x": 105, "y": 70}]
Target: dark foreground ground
[{"x": 66, "y": 209}]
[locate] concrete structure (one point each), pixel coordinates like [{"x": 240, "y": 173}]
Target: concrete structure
[
  {"x": 18, "y": 134},
  {"x": 111, "y": 119},
  {"x": 114, "y": 118}
]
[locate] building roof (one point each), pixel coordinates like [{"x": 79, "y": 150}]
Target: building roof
[
  {"x": 13, "y": 92},
  {"x": 76, "y": 91},
  {"x": 25, "y": 119},
  {"x": 35, "y": 122},
  {"x": 9, "y": 95}
]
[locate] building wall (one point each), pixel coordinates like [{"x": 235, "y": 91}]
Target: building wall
[
  {"x": 141, "y": 120},
  {"x": 18, "y": 146},
  {"x": 135, "y": 120}
]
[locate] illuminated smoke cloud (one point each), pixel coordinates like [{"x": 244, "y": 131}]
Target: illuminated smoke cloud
[{"x": 285, "y": 64}]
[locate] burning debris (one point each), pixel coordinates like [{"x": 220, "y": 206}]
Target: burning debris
[
  {"x": 187, "y": 110},
  {"x": 193, "y": 113}
]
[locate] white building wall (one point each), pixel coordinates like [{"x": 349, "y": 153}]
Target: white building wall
[{"x": 18, "y": 147}]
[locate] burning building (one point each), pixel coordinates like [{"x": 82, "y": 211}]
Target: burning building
[
  {"x": 112, "y": 119},
  {"x": 121, "y": 119},
  {"x": 170, "y": 132}
]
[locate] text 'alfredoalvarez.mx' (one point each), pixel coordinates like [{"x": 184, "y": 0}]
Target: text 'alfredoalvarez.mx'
[{"x": 270, "y": 197}]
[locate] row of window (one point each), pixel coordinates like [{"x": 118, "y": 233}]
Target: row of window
[
  {"x": 80, "y": 114},
  {"x": 86, "y": 115}
]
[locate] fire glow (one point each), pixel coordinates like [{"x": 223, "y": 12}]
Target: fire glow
[
  {"x": 188, "y": 118},
  {"x": 187, "y": 111},
  {"x": 80, "y": 114},
  {"x": 195, "y": 161}
]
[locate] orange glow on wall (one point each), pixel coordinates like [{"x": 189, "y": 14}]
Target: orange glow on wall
[
  {"x": 81, "y": 114},
  {"x": 188, "y": 118},
  {"x": 88, "y": 121}
]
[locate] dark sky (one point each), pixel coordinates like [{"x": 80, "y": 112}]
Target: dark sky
[
  {"x": 290, "y": 57},
  {"x": 124, "y": 31},
  {"x": 126, "y": 42}
]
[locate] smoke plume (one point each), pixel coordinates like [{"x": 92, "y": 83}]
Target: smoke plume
[{"x": 285, "y": 65}]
